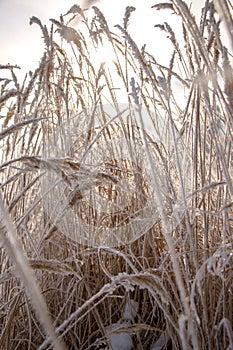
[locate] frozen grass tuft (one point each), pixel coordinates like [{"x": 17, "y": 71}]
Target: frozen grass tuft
[{"x": 63, "y": 289}]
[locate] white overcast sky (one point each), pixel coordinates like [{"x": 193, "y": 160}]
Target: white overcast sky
[{"x": 21, "y": 43}]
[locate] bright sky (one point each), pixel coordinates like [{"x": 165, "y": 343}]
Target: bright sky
[{"x": 22, "y": 44}]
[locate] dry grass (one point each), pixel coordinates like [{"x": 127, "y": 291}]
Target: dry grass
[{"x": 56, "y": 290}]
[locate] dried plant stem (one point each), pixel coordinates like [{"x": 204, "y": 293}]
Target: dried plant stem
[{"x": 15, "y": 251}]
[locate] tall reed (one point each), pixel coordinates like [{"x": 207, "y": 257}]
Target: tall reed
[{"x": 78, "y": 137}]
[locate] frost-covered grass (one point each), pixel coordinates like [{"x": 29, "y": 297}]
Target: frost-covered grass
[{"x": 58, "y": 291}]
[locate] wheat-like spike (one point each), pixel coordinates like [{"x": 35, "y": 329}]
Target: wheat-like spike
[{"x": 128, "y": 12}]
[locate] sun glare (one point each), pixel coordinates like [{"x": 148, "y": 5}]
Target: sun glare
[{"x": 102, "y": 54}]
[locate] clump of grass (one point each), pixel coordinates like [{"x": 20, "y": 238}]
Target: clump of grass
[{"x": 179, "y": 268}]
